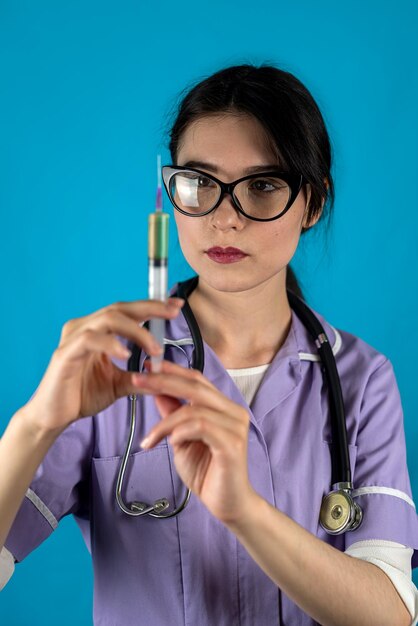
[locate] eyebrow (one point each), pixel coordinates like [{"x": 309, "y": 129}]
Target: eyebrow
[{"x": 213, "y": 168}]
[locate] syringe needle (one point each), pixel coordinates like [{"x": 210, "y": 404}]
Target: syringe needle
[{"x": 159, "y": 200}]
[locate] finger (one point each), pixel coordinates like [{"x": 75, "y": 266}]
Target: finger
[
  {"x": 231, "y": 445},
  {"x": 112, "y": 321},
  {"x": 187, "y": 384},
  {"x": 139, "y": 311},
  {"x": 166, "y": 405},
  {"x": 91, "y": 342},
  {"x": 168, "y": 367},
  {"x": 183, "y": 387},
  {"x": 123, "y": 383},
  {"x": 203, "y": 415}
]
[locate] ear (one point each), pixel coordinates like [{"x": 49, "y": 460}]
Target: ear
[{"x": 308, "y": 223}]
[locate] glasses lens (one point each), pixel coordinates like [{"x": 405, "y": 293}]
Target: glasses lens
[
  {"x": 194, "y": 193},
  {"x": 263, "y": 197}
]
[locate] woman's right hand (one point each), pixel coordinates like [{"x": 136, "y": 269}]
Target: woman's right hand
[{"x": 81, "y": 378}]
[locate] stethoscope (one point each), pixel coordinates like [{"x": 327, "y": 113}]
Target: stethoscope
[{"x": 339, "y": 513}]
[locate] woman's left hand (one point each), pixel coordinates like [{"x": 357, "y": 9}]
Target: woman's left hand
[{"x": 209, "y": 436}]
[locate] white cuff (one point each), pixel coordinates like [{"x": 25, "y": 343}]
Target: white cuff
[
  {"x": 7, "y": 567},
  {"x": 395, "y": 560}
]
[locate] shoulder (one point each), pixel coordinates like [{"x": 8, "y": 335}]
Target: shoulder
[
  {"x": 356, "y": 359},
  {"x": 368, "y": 382}
]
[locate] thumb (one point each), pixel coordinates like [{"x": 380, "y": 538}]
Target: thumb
[{"x": 166, "y": 405}]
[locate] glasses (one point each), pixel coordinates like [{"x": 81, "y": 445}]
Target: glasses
[{"x": 262, "y": 197}]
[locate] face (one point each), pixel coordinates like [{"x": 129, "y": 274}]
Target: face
[{"x": 227, "y": 146}]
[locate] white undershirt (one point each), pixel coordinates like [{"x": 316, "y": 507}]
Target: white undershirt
[
  {"x": 393, "y": 558},
  {"x": 248, "y": 380}
]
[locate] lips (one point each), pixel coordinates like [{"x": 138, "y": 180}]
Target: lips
[
  {"x": 229, "y": 250},
  {"x": 225, "y": 255}
]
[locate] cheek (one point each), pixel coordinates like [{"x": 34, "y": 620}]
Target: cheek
[
  {"x": 187, "y": 232},
  {"x": 282, "y": 237}
]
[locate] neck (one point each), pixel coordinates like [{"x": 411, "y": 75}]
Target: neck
[{"x": 244, "y": 328}]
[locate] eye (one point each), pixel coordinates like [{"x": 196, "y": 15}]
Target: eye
[
  {"x": 266, "y": 185},
  {"x": 198, "y": 179},
  {"x": 204, "y": 181}
]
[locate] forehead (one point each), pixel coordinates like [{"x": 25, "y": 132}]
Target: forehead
[{"x": 227, "y": 138}]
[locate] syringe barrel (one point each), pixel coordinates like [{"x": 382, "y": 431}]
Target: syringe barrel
[
  {"x": 158, "y": 236},
  {"x": 157, "y": 279},
  {"x": 157, "y": 255},
  {"x": 157, "y": 274}
]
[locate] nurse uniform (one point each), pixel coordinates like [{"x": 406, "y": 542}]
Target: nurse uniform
[{"x": 191, "y": 569}]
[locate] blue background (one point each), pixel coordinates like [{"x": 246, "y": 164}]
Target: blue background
[{"x": 86, "y": 90}]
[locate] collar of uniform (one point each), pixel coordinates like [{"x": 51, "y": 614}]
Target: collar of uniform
[
  {"x": 286, "y": 370},
  {"x": 304, "y": 344},
  {"x": 279, "y": 381},
  {"x": 282, "y": 377}
]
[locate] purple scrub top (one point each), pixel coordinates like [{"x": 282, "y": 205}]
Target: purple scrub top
[{"x": 190, "y": 569}]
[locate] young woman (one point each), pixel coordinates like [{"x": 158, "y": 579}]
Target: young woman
[{"x": 251, "y": 436}]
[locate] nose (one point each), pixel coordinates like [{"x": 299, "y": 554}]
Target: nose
[{"x": 226, "y": 216}]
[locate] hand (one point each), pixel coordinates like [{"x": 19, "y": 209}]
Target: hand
[
  {"x": 81, "y": 378},
  {"x": 209, "y": 436}
]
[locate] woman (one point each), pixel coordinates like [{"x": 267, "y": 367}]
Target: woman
[{"x": 251, "y": 435}]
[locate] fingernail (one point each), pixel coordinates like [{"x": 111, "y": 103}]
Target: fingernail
[
  {"x": 126, "y": 353},
  {"x": 145, "y": 442},
  {"x": 175, "y": 303},
  {"x": 139, "y": 378}
]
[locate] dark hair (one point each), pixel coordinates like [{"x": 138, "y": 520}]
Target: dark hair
[{"x": 286, "y": 110}]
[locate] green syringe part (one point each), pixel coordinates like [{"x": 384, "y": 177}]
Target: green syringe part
[{"x": 158, "y": 236}]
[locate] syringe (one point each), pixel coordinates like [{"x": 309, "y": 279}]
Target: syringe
[{"x": 158, "y": 266}]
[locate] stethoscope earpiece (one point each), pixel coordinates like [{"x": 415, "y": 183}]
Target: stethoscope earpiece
[{"x": 339, "y": 513}]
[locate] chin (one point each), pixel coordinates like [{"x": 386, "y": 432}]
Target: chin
[
  {"x": 236, "y": 277},
  {"x": 231, "y": 282}
]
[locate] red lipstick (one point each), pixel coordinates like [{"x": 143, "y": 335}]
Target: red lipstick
[{"x": 225, "y": 255}]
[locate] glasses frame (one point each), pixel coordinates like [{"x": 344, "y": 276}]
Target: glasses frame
[{"x": 294, "y": 180}]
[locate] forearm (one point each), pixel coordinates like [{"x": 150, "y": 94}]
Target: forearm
[
  {"x": 330, "y": 586},
  {"x": 22, "y": 449}
]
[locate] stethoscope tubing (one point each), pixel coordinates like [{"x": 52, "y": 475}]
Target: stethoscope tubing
[
  {"x": 339, "y": 512},
  {"x": 341, "y": 471}
]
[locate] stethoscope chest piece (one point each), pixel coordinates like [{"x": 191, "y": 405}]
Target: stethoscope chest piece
[{"x": 339, "y": 513}]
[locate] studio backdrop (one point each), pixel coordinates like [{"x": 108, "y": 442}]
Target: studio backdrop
[{"x": 87, "y": 91}]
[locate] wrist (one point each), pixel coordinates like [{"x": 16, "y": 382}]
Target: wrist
[
  {"x": 28, "y": 420},
  {"x": 253, "y": 506}
]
